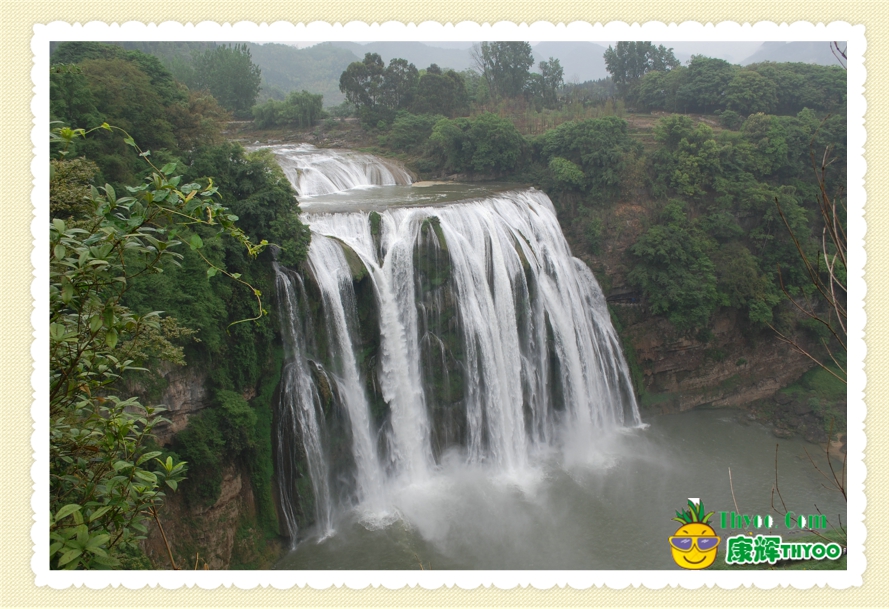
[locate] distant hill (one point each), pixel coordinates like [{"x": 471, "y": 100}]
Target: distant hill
[
  {"x": 581, "y": 61},
  {"x": 316, "y": 69},
  {"x": 802, "y": 52},
  {"x": 420, "y": 54}
]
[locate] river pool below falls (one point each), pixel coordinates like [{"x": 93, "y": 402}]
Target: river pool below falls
[{"x": 605, "y": 503}]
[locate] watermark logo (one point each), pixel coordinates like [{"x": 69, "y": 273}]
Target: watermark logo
[
  {"x": 758, "y": 549},
  {"x": 695, "y": 543}
]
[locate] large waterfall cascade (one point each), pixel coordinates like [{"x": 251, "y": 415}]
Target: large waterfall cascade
[{"x": 423, "y": 335}]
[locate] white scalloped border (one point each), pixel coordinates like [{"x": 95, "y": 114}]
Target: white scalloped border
[{"x": 430, "y": 30}]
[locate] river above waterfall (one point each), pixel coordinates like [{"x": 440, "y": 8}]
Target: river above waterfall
[
  {"x": 419, "y": 194},
  {"x": 606, "y": 505}
]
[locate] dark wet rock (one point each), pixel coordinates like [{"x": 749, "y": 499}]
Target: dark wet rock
[
  {"x": 783, "y": 398},
  {"x": 816, "y": 435},
  {"x": 801, "y": 408}
]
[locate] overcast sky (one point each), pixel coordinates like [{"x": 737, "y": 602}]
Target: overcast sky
[{"x": 730, "y": 51}]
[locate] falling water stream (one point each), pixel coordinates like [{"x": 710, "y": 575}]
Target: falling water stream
[{"x": 455, "y": 396}]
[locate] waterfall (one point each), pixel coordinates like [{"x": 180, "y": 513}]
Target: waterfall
[
  {"x": 463, "y": 329},
  {"x": 297, "y": 416},
  {"x": 319, "y": 172}
]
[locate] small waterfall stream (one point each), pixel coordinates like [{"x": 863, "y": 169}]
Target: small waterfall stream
[
  {"x": 319, "y": 172},
  {"x": 420, "y": 335}
]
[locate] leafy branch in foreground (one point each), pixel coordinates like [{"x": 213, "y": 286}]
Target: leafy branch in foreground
[{"x": 105, "y": 480}]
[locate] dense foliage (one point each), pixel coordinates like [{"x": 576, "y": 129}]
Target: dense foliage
[
  {"x": 379, "y": 91},
  {"x": 91, "y": 83},
  {"x": 588, "y": 156},
  {"x": 674, "y": 270},
  {"x": 711, "y": 85},
  {"x": 300, "y": 109},
  {"x": 487, "y": 144},
  {"x": 441, "y": 93},
  {"x": 212, "y": 285},
  {"x": 105, "y": 480},
  {"x": 736, "y": 186}
]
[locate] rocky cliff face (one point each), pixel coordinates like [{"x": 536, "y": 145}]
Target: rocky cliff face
[
  {"x": 185, "y": 395},
  {"x": 731, "y": 368},
  {"x": 221, "y": 536},
  {"x": 181, "y": 390}
]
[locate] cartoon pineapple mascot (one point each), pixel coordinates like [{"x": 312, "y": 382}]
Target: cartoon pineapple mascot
[{"x": 695, "y": 543}]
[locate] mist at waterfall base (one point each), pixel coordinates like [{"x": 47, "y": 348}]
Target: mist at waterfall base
[{"x": 493, "y": 426}]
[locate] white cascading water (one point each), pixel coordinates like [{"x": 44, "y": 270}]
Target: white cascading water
[
  {"x": 298, "y": 419},
  {"x": 530, "y": 317},
  {"x": 319, "y": 172}
]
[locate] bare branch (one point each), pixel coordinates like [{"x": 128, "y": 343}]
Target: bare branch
[
  {"x": 732, "y": 486},
  {"x": 776, "y": 488},
  {"x": 839, "y": 53}
]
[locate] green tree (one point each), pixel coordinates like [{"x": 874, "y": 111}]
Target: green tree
[
  {"x": 658, "y": 90},
  {"x": 229, "y": 73},
  {"x": 769, "y": 140},
  {"x": 544, "y": 88},
  {"x": 688, "y": 161},
  {"x": 162, "y": 82},
  {"x": 496, "y": 144},
  {"x": 70, "y": 97},
  {"x": 627, "y": 62},
  {"x": 362, "y": 81},
  {"x": 486, "y": 144},
  {"x": 749, "y": 93},
  {"x": 441, "y": 93},
  {"x": 134, "y": 91},
  {"x": 409, "y": 132},
  {"x": 801, "y": 85},
  {"x": 126, "y": 97},
  {"x": 600, "y": 148},
  {"x": 504, "y": 65},
  {"x": 742, "y": 285},
  {"x": 450, "y": 142},
  {"x": 706, "y": 84},
  {"x": 399, "y": 84}
]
